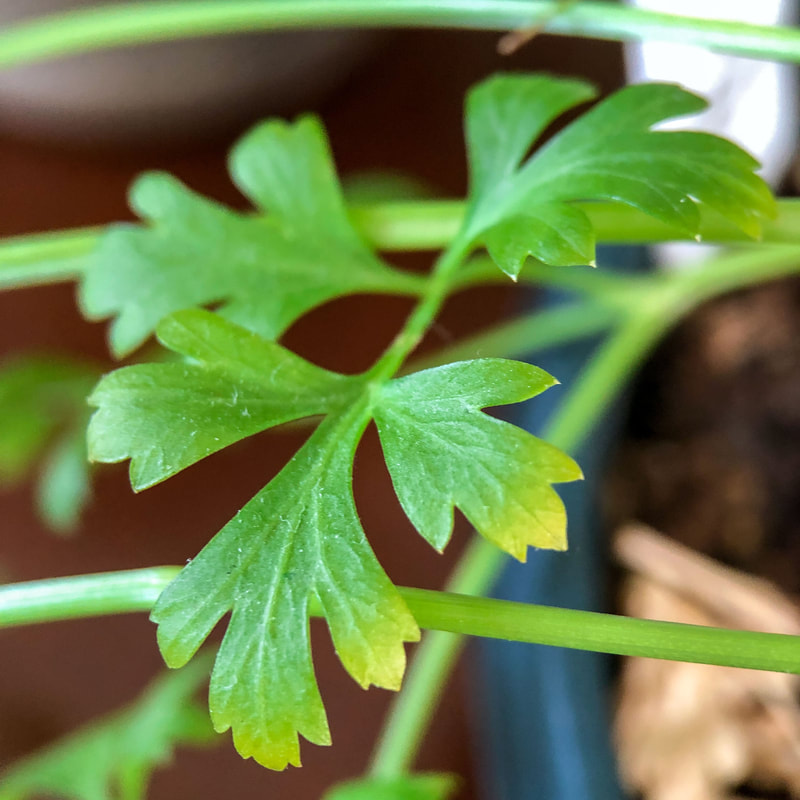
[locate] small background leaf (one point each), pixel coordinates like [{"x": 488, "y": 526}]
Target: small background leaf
[
  {"x": 43, "y": 416},
  {"x": 64, "y": 485},
  {"x": 112, "y": 758}
]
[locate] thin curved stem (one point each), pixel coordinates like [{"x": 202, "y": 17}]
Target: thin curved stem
[
  {"x": 604, "y": 376},
  {"x": 127, "y": 24},
  {"x": 412, "y": 710}
]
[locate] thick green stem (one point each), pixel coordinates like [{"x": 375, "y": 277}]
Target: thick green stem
[
  {"x": 136, "y": 23},
  {"x": 61, "y": 256},
  {"x": 391, "y": 226},
  {"x": 136, "y": 591},
  {"x": 97, "y": 595},
  {"x": 603, "y": 633},
  {"x": 420, "y": 225},
  {"x": 432, "y": 224}
]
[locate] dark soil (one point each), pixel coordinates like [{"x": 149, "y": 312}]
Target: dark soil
[{"x": 711, "y": 455}]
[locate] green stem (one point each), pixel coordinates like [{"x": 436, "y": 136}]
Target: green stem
[
  {"x": 603, "y": 633},
  {"x": 136, "y": 591},
  {"x": 736, "y": 269},
  {"x": 45, "y": 258},
  {"x": 437, "y": 289},
  {"x": 425, "y": 224},
  {"x": 421, "y": 225},
  {"x": 96, "y": 595},
  {"x": 135, "y": 23},
  {"x": 411, "y": 710},
  {"x": 530, "y": 333},
  {"x": 432, "y": 224},
  {"x": 601, "y": 380}
]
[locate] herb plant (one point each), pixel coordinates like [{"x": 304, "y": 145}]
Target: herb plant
[{"x": 297, "y": 548}]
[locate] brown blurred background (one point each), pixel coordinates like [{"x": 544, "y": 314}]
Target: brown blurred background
[{"x": 396, "y": 106}]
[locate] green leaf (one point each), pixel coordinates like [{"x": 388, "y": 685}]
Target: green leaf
[
  {"x": 43, "y": 418},
  {"x": 559, "y": 235},
  {"x": 505, "y": 115},
  {"x": 298, "y": 540},
  {"x": 609, "y": 153},
  {"x": 427, "y": 786},
  {"x": 262, "y": 273},
  {"x": 64, "y": 485},
  {"x": 165, "y": 417},
  {"x": 442, "y": 452},
  {"x": 113, "y": 757},
  {"x": 36, "y": 394}
]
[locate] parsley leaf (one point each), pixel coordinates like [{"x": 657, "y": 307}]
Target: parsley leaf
[
  {"x": 426, "y": 786},
  {"x": 521, "y": 208},
  {"x": 114, "y": 756},
  {"x": 165, "y": 417},
  {"x": 442, "y": 452},
  {"x": 299, "y": 538},
  {"x": 263, "y": 273}
]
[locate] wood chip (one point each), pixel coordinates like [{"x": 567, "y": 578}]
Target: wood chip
[{"x": 693, "y": 731}]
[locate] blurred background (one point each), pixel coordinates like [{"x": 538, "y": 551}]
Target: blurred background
[{"x": 693, "y": 459}]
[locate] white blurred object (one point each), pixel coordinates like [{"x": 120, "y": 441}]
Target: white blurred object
[{"x": 754, "y": 103}]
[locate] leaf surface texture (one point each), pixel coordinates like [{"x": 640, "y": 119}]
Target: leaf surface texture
[
  {"x": 442, "y": 451},
  {"x": 520, "y": 206},
  {"x": 298, "y": 539}
]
